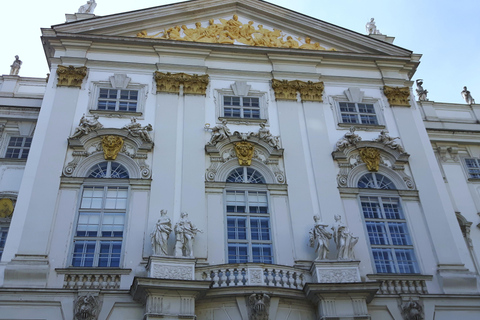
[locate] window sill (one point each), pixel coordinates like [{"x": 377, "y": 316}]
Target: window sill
[
  {"x": 13, "y": 160},
  {"x": 475, "y": 180},
  {"x": 242, "y": 120},
  {"x": 92, "y": 270},
  {"x": 116, "y": 114},
  {"x": 362, "y": 127}
]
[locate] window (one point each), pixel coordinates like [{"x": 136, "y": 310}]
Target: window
[
  {"x": 473, "y": 168},
  {"x": 390, "y": 243},
  {"x": 18, "y": 147},
  {"x": 361, "y": 113},
  {"x": 117, "y": 100},
  {"x": 241, "y": 107},
  {"x": 3, "y": 236},
  {"x": 248, "y": 220},
  {"x": 98, "y": 237}
]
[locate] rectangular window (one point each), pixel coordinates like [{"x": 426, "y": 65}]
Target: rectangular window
[
  {"x": 241, "y": 107},
  {"x": 18, "y": 147},
  {"x": 99, "y": 232},
  {"x": 392, "y": 248},
  {"x": 361, "y": 113},
  {"x": 473, "y": 168},
  {"x": 3, "y": 237},
  {"x": 117, "y": 100},
  {"x": 248, "y": 227}
]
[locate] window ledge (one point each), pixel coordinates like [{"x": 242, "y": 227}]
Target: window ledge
[
  {"x": 13, "y": 160},
  {"x": 475, "y": 180},
  {"x": 242, "y": 120},
  {"x": 397, "y": 276},
  {"x": 116, "y": 114},
  {"x": 362, "y": 127},
  {"x": 92, "y": 270}
]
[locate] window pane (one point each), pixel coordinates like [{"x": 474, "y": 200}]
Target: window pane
[
  {"x": 18, "y": 147},
  {"x": 88, "y": 223},
  {"x": 392, "y": 209},
  {"x": 261, "y": 253},
  {"x": 83, "y": 253},
  {"x": 384, "y": 262},
  {"x": 399, "y": 234},
  {"x": 377, "y": 233},
  {"x": 406, "y": 261},
  {"x": 260, "y": 228},
  {"x": 371, "y": 207},
  {"x": 237, "y": 228},
  {"x": 237, "y": 253}
]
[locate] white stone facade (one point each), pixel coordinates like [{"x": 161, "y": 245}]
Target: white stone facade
[{"x": 80, "y": 232}]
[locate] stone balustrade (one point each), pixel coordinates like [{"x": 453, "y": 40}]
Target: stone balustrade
[
  {"x": 414, "y": 284},
  {"x": 254, "y": 275},
  {"x": 92, "y": 278}
]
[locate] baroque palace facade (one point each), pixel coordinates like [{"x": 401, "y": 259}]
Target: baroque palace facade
[{"x": 233, "y": 160}]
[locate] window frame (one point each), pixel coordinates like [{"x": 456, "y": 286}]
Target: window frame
[
  {"x": 117, "y": 100},
  {"x": 467, "y": 169},
  {"x": 21, "y": 148},
  {"x": 262, "y": 100},
  {"x": 242, "y": 108},
  {"x": 376, "y": 106}
]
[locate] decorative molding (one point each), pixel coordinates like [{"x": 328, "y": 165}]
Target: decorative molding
[
  {"x": 244, "y": 151},
  {"x": 371, "y": 158},
  {"x": 171, "y": 82},
  {"x": 71, "y": 76},
  {"x": 337, "y": 276},
  {"x": 448, "y": 154},
  {"x": 397, "y": 96},
  {"x": 258, "y": 306},
  {"x": 412, "y": 309},
  {"x": 111, "y": 146},
  {"x": 171, "y": 272},
  {"x": 287, "y": 90},
  {"x": 6, "y": 208},
  {"x": 234, "y": 32},
  {"x": 87, "y": 307}
]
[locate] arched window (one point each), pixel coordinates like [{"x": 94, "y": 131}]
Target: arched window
[
  {"x": 390, "y": 242},
  {"x": 98, "y": 235},
  {"x": 248, "y": 219},
  {"x": 245, "y": 175},
  {"x": 375, "y": 181},
  {"x": 108, "y": 169}
]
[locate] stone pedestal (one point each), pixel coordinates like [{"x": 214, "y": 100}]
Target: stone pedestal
[
  {"x": 335, "y": 271},
  {"x": 171, "y": 268}
]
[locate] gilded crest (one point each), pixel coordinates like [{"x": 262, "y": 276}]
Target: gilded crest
[
  {"x": 6, "y": 208},
  {"x": 111, "y": 146},
  {"x": 371, "y": 157},
  {"x": 244, "y": 151}
]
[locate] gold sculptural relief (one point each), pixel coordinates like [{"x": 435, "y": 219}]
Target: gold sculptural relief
[
  {"x": 111, "y": 145},
  {"x": 231, "y": 31},
  {"x": 287, "y": 90},
  {"x": 171, "y": 82},
  {"x": 371, "y": 158},
  {"x": 244, "y": 151},
  {"x": 71, "y": 76},
  {"x": 6, "y": 208},
  {"x": 397, "y": 96}
]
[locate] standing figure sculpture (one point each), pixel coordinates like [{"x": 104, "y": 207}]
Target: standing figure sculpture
[
  {"x": 219, "y": 133},
  {"x": 185, "y": 232},
  {"x": 160, "y": 235},
  {"x": 15, "y": 67},
  {"x": 87, "y": 8},
  {"x": 371, "y": 27},
  {"x": 467, "y": 96},
  {"x": 344, "y": 239},
  {"x": 320, "y": 238},
  {"x": 421, "y": 93}
]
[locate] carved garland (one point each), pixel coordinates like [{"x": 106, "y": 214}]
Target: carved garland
[
  {"x": 171, "y": 82},
  {"x": 287, "y": 90},
  {"x": 71, "y": 76},
  {"x": 397, "y": 96}
]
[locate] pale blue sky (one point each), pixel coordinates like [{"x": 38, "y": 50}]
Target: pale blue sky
[{"x": 446, "y": 33}]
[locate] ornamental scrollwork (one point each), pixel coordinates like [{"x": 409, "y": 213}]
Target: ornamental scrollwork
[
  {"x": 397, "y": 96},
  {"x": 71, "y": 76},
  {"x": 171, "y": 82}
]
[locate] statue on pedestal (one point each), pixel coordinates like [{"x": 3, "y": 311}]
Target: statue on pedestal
[
  {"x": 185, "y": 232},
  {"x": 344, "y": 239},
  {"x": 320, "y": 238},
  {"x": 421, "y": 93},
  {"x": 371, "y": 27},
  {"x": 160, "y": 235},
  {"x": 15, "y": 67},
  {"x": 467, "y": 96},
  {"x": 87, "y": 8}
]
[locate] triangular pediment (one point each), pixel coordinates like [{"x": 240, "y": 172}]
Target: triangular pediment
[{"x": 244, "y": 23}]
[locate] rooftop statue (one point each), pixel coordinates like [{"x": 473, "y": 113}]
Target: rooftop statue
[
  {"x": 371, "y": 27},
  {"x": 88, "y": 7},
  {"x": 15, "y": 67},
  {"x": 467, "y": 96},
  {"x": 234, "y": 31},
  {"x": 421, "y": 93}
]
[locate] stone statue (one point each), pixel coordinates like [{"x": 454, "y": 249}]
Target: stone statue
[
  {"x": 320, "y": 238},
  {"x": 371, "y": 27},
  {"x": 15, "y": 67},
  {"x": 86, "y": 308},
  {"x": 87, "y": 8},
  {"x": 258, "y": 306},
  {"x": 160, "y": 235},
  {"x": 86, "y": 126},
  {"x": 185, "y": 232},
  {"x": 412, "y": 310},
  {"x": 467, "y": 96},
  {"x": 265, "y": 135},
  {"x": 389, "y": 141},
  {"x": 219, "y": 133},
  {"x": 421, "y": 93},
  {"x": 350, "y": 138},
  {"x": 344, "y": 240},
  {"x": 136, "y": 130}
]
